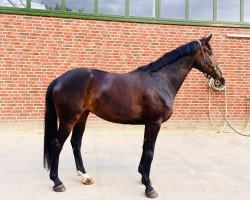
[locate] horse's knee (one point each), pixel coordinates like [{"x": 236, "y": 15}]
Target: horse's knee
[
  {"x": 147, "y": 159},
  {"x": 76, "y": 146}
]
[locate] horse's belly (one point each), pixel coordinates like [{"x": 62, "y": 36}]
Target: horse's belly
[{"x": 118, "y": 112}]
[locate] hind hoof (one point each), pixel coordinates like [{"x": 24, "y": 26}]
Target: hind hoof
[
  {"x": 88, "y": 181},
  {"x": 59, "y": 188},
  {"x": 151, "y": 193}
]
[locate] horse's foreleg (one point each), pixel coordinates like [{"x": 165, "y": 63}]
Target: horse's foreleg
[
  {"x": 141, "y": 167},
  {"x": 57, "y": 145},
  {"x": 151, "y": 132},
  {"x": 76, "y": 142}
]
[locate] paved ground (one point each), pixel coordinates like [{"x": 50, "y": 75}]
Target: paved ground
[{"x": 187, "y": 165}]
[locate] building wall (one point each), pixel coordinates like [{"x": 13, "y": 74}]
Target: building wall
[{"x": 35, "y": 50}]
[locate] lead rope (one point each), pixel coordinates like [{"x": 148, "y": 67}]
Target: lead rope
[
  {"x": 224, "y": 115},
  {"x": 219, "y": 129}
]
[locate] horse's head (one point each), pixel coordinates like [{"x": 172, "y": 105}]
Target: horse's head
[{"x": 205, "y": 61}]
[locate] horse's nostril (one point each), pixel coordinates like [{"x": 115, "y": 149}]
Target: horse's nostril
[{"x": 222, "y": 81}]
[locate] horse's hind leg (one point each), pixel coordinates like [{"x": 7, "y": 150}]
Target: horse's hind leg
[
  {"x": 76, "y": 142},
  {"x": 57, "y": 145}
]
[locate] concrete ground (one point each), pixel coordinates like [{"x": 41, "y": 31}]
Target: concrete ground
[{"x": 188, "y": 164}]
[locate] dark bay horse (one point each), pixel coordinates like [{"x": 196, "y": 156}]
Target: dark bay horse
[{"x": 143, "y": 96}]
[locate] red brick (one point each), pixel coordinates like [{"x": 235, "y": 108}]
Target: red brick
[{"x": 34, "y": 50}]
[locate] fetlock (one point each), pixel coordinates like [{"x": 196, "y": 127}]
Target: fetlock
[{"x": 146, "y": 181}]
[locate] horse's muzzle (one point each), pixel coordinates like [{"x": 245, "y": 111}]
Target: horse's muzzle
[{"x": 218, "y": 84}]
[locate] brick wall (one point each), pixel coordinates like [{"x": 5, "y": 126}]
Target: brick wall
[{"x": 34, "y": 50}]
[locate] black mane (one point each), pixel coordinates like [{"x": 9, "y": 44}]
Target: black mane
[{"x": 171, "y": 57}]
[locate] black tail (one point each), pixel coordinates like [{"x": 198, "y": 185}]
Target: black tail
[{"x": 50, "y": 126}]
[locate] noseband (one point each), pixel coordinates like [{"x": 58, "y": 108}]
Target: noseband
[{"x": 207, "y": 61}]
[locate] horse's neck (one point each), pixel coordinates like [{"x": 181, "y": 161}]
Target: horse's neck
[{"x": 173, "y": 75}]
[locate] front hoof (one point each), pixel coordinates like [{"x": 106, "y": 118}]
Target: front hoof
[
  {"x": 59, "y": 188},
  {"x": 150, "y": 192}
]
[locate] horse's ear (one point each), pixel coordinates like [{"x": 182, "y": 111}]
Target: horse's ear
[{"x": 206, "y": 40}]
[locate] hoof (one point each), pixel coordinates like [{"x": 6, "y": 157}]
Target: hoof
[
  {"x": 88, "y": 181},
  {"x": 151, "y": 193},
  {"x": 59, "y": 188}
]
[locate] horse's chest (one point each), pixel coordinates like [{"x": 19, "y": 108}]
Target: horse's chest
[
  {"x": 166, "y": 108},
  {"x": 167, "y": 114}
]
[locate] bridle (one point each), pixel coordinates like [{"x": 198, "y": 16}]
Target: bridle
[{"x": 207, "y": 61}]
